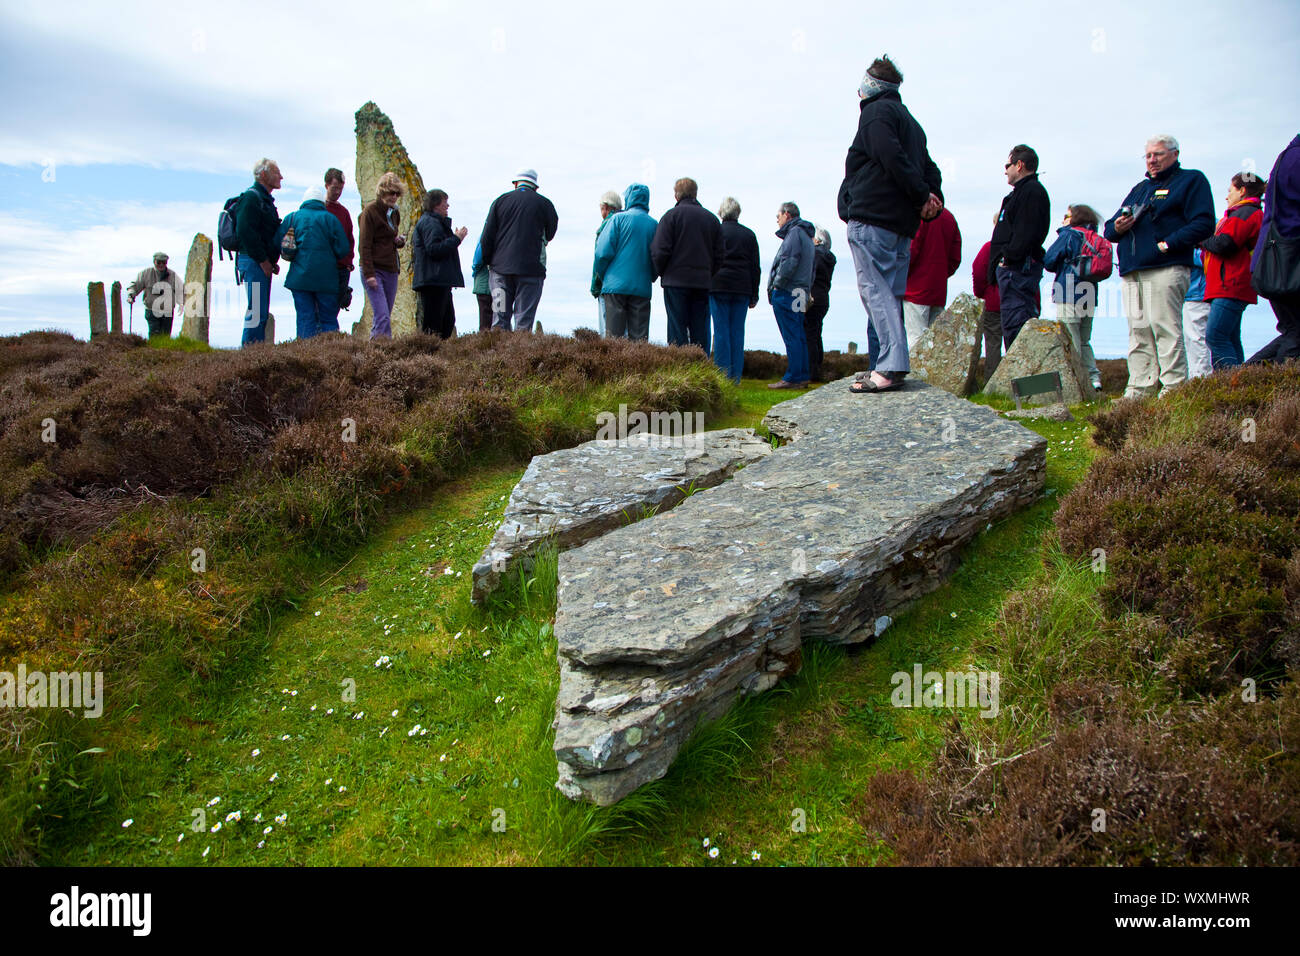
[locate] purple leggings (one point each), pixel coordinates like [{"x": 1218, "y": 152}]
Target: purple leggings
[{"x": 381, "y": 303}]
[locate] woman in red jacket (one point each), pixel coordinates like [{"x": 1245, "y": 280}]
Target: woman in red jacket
[{"x": 1227, "y": 270}]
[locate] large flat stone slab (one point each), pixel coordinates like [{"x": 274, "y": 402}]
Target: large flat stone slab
[
  {"x": 664, "y": 623},
  {"x": 576, "y": 494}
]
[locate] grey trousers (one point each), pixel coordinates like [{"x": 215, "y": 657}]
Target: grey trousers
[
  {"x": 627, "y": 316},
  {"x": 880, "y": 258},
  {"x": 514, "y": 296}
]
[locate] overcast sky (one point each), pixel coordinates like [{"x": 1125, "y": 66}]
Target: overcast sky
[{"x": 127, "y": 126}]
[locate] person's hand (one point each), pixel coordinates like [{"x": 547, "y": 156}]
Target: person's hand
[
  {"x": 399, "y": 241},
  {"x": 267, "y": 268},
  {"x": 372, "y": 283},
  {"x": 933, "y": 206},
  {"x": 1123, "y": 224},
  {"x": 462, "y": 232},
  {"x": 753, "y": 303}
]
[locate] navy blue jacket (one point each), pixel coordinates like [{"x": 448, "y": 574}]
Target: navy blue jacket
[
  {"x": 740, "y": 270},
  {"x": 518, "y": 226},
  {"x": 1176, "y": 207},
  {"x": 435, "y": 255},
  {"x": 687, "y": 248},
  {"x": 1063, "y": 259},
  {"x": 792, "y": 268},
  {"x": 888, "y": 173}
]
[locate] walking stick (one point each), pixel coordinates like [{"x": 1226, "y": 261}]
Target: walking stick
[{"x": 130, "y": 314}]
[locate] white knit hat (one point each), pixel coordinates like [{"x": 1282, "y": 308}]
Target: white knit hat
[{"x": 528, "y": 176}]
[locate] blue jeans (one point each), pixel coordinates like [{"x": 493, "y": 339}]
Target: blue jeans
[
  {"x": 1018, "y": 289},
  {"x": 790, "y": 323},
  {"x": 880, "y": 258},
  {"x": 1223, "y": 333},
  {"x": 688, "y": 316},
  {"x": 317, "y": 312},
  {"x": 728, "y": 313},
  {"x": 258, "y": 286}
]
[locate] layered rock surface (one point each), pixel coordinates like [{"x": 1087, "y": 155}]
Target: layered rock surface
[
  {"x": 947, "y": 353},
  {"x": 576, "y": 494},
  {"x": 663, "y": 623},
  {"x": 1043, "y": 346}
]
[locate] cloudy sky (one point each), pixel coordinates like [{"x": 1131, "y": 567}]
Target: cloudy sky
[{"x": 127, "y": 125}]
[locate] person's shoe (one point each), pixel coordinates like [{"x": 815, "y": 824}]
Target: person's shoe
[
  {"x": 782, "y": 383},
  {"x": 1096, "y": 384}
]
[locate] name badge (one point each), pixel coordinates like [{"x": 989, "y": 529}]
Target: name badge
[{"x": 1162, "y": 193}]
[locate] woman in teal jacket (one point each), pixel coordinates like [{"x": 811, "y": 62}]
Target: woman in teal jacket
[{"x": 321, "y": 247}]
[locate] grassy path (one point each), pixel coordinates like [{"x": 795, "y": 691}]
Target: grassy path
[{"x": 391, "y": 723}]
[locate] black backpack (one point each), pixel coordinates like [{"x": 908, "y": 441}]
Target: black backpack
[{"x": 227, "y": 236}]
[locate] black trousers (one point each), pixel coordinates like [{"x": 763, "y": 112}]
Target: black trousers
[
  {"x": 812, "y": 333},
  {"x": 484, "y": 311},
  {"x": 439, "y": 316},
  {"x": 1287, "y": 345}
]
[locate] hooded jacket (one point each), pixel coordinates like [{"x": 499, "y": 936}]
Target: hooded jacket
[
  {"x": 1063, "y": 259},
  {"x": 518, "y": 226},
  {"x": 435, "y": 256},
  {"x": 623, "y": 265},
  {"x": 1228, "y": 252},
  {"x": 321, "y": 244},
  {"x": 792, "y": 268},
  {"x": 888, "y": 173},
  {"x": 687, "y": 249},
  {"x": 1176, "y": 207}
]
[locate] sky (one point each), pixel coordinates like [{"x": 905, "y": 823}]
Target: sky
[{"x": 127, "y": 126}]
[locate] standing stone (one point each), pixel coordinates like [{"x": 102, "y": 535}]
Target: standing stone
[
  {"x": 1042, "y": 346},
  {"x": 198, "y": 290},
  {"x": 98, "y": 309},
  {"x": 270, "y": 329},
  {"x": 115, "y": 303},
  {"x": 947, "y": 354},
  {"x": 380, "y": 151},
  {"x": 853, "y": 348}
]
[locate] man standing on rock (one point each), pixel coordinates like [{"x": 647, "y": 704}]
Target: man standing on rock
[
  {"x": 1016, "y": 250},
  {"x": 334, "y": 183},
  {"x": 163, "y": 292},
  {"x": 1162, "y": 221},
  {"x": 890, "y": 185},
  {"x": 518, "y": 226},
  {"x": 256, "y": 223}
]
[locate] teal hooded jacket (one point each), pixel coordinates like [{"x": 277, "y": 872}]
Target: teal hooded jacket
[
  {"x": 321, "y": 244},
  {"x": 623, "y": 263}
]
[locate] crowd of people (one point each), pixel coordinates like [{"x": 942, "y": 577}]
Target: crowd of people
[{"x": 1185, "y": 280}]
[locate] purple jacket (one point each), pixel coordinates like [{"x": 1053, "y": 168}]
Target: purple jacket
[{"x": 1281, "y": 198}]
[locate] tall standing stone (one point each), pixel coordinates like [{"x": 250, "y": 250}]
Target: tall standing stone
[
  {"x": 380, "y": 151},
  {"x": 98, "y": 309},
  {"x": 198, "y": 290},
  {"x": 115, "y": 304}
]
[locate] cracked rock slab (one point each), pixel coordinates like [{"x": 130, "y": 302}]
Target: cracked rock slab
[
  {"x": 665, "y": 623},
  {"x": 576, "y": 494}
]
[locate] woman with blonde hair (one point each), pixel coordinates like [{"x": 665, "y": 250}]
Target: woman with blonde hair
[{"x": 380, "y": 239}]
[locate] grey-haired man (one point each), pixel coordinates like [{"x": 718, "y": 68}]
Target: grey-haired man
[{"x": 163, "y": 292}]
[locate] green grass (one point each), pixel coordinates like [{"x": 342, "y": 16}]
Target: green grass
[{"x": 481, "y": 684}]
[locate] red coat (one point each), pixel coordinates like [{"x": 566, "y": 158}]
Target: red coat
[
  {"x": 984, "y": 289},
  {"x": 1227, "y": 253},
  {"x": 936, "y": 254}
]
